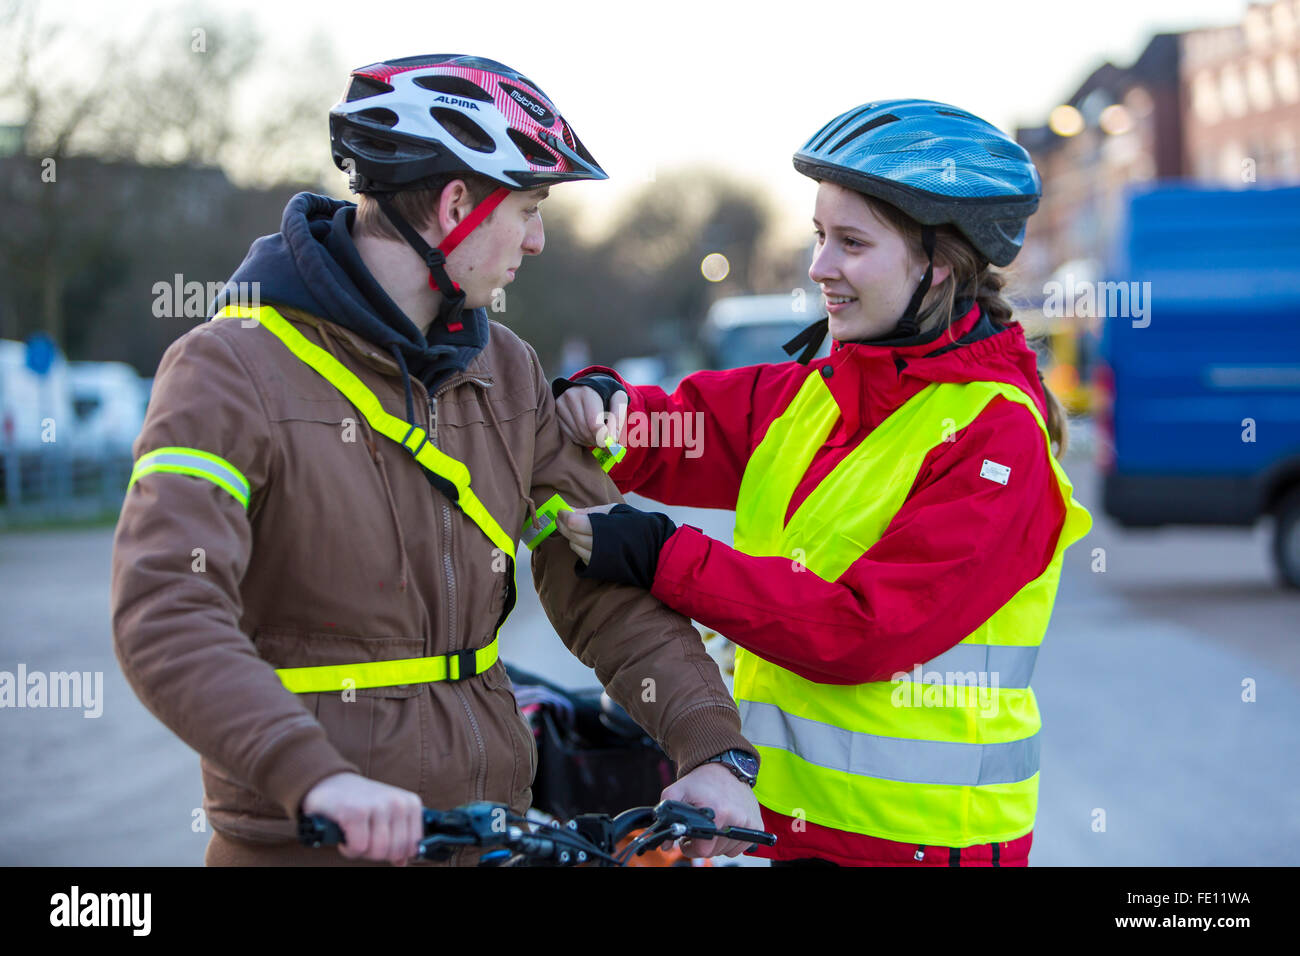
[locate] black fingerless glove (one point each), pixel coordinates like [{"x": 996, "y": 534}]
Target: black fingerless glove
[
  {"x": 625, "y": 546},
  {"x": 605, "y": 386}
]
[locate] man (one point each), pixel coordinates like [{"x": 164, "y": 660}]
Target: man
[{"x": 316, "y": 549}]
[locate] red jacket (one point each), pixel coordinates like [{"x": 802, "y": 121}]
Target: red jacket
[{"x": 957, "y": 550}]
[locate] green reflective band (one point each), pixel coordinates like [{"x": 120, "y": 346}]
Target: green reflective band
[
  {"x": 611, "y": 457},
  {"x": 196, "y": 464},
  {"x": 411, "y": 670},
  {"x": 549, "y": 514}
]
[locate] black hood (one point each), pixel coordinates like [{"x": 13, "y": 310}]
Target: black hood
[{"x": 312, "y": 265}]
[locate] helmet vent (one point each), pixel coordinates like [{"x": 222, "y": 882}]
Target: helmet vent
[
  {"x": 535, "y": 153},
  {"x": 369, "y": 147},
  {"x": 454, "y": 86},
  {"x": 954, "y": 113},
  {"x": 377, "y": 114},
  {"x": 363, "y": 86},
  {"x": 865, "y": 127},
  {"x": 847, "y": 120},
  {"x": 465, "y": 130}
]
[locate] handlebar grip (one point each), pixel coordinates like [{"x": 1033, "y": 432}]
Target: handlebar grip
[
  {"x": 753, "y": 836},
  {"x": 316, "y": 830}
]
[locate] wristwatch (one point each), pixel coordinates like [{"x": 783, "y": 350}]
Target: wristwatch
[{"x": 743, "y": 765}]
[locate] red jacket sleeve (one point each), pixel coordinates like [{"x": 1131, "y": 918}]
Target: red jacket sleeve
[
  {"x": 691, "y": 447},
  {"x": 959, "y": 548}
]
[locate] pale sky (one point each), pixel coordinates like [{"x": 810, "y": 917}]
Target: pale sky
[{"x": 650, "y": 86}]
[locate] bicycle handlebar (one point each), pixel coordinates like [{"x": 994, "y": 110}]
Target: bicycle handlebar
[{"x": 588, "y": 837}]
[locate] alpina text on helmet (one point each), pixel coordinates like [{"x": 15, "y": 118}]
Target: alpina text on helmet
[{"x": 466, "y": 104}]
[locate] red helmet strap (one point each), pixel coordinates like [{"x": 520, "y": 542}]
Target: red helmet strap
[{"x": 468, "y": 224}]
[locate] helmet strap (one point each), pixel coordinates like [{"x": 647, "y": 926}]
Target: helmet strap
[
  {"x": 907, "y": 324},
  {"x": 809, "y": 339},
  {"x": 453, "y": 296}
]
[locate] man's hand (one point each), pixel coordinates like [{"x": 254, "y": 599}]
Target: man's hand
[
  {"x": 733, "y": 803},
  {"x": 379, "y": 822},
  {"x": 583, "y": 418}
]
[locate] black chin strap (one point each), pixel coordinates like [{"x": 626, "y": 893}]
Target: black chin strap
[
  {"x": 453, "y": 297},
  {"x": 811, "y": 338},
  {"x": 907, "y": 324}
]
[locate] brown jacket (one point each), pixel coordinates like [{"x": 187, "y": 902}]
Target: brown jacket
[{"x": 345, "y": 554}]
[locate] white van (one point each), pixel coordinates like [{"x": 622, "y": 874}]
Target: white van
[{"x": 33, "y": 408}]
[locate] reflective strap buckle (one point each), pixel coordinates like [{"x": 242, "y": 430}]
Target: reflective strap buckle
[
  {"x": 424, "y": 440},
  {"x": 610, "y": 455},
  {"x": 462, "y": 665},
  {"x": 549, "y": 514}
]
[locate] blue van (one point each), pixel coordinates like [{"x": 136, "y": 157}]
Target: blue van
[{"x": 1199, "y": 380}]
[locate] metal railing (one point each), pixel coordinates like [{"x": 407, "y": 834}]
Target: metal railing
[{"x": 59, "y": 483}]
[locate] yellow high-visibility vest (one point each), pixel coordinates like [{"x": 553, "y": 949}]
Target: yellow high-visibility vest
[{"x": 951, "y": 759}]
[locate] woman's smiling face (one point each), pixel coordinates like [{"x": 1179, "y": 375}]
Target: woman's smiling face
[{"x": 863, "y": 267}]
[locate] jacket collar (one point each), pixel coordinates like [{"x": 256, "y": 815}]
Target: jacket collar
[
  {"x": 371, "y": 355},
  {"x": 870, "y": 380}
]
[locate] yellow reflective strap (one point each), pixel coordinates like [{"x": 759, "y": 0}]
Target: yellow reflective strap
[
  {"x": 610, "y": 455},
  {"x": 406, "y": 434},
  {"x": 479, "y": 514},
  {"x": 196, "y": 463},
  {"x": 411, "y": 670},
  {"x": 550, "y": 515}
]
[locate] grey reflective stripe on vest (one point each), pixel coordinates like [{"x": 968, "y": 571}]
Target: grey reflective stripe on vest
[
  {"x": 890, "y": 758},
  {"x": 1001, "y": 665}
]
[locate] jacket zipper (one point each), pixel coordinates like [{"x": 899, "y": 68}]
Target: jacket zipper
[{"x": 480, "y": 774}]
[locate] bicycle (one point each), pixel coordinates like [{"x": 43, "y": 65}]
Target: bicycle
[{"x": 586, "y": 839}]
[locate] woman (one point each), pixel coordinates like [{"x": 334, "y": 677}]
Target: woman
[{"x": 900, "y": 517}]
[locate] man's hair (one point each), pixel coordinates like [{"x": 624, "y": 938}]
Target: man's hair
[{"x": 419, "y": 207}]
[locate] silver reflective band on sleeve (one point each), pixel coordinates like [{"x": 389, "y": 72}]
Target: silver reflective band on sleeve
[
  {"x": 197, "y": 464},
  {"x": 889, "y": 758},
  {"x": 982, "y": 665}
]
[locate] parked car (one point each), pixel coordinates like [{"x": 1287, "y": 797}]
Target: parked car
[{"x": 750, "y": 329}]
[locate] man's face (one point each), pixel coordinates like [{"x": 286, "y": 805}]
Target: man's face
[{"x": 488, "y": 257}]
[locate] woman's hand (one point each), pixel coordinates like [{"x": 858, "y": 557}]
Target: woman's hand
[
  {"x": 583, "y": 418},
  {"x": 620, "y": 543},
  {"x": 576, "y": 526}
]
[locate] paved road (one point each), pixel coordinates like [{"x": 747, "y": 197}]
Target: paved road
[{"x": 1140, "y": 683}]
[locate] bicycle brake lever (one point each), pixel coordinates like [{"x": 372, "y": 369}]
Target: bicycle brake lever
[{"x": 315, "y": 830}]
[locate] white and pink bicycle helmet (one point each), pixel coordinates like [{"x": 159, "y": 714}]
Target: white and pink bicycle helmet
[
  {"x": 409, "y": 123},
  {"x": 407, "y": 120}
]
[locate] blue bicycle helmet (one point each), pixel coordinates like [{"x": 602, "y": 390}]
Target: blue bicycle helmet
[{"x": 939, "y": 164}]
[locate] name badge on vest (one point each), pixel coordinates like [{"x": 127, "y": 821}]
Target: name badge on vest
[{"x": 995, "y": 472}]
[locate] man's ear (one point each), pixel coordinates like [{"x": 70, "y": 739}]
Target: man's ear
[{"x": 454, "y": 205}]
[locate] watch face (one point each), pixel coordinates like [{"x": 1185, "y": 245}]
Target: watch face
[{"x": 746, "y": 762}]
